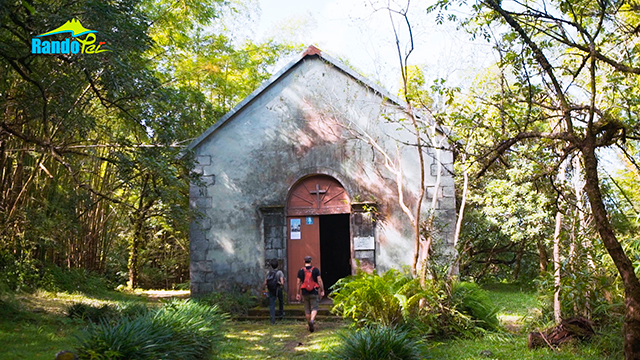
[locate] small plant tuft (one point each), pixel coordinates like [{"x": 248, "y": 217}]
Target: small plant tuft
[{"x": 378, "y": 343}]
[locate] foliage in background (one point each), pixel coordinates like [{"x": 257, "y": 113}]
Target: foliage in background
[
  {"x": 234, "y": 303},
  {"x": 564, "y": 94},
  {"x": 31, "y": 274},
  {"x": 378, "y": 343},
  {"x": 507, "y": 225},
  {"x": 106, "y": 313},
  {"x": 89, "y": 170}
]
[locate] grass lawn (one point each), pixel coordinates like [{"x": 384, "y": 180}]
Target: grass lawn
[
  {"x": 34, "y": 326},
  {"x": 511, "y": 347},
  {"x": 35, "y": 338},
  {"x": 517, "y": 305}
]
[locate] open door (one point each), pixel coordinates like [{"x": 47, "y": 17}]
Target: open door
[
  {"x": 335, "y": 249},
  {"x": 310, "y": 201}
]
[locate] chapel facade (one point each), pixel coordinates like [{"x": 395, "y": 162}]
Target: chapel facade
[{"x": 302, "y": 167}]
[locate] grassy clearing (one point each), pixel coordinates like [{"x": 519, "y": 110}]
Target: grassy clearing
[
  {"x": 516, "y": 304},
  {"x": 29, "y": 332},
  {"x": 509, "y": 347},
  {"x": 35, "y": 327},
  {"x": 35, "y": 339}
]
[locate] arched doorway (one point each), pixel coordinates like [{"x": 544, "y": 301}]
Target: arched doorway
[{"x": 318, "y": 224}]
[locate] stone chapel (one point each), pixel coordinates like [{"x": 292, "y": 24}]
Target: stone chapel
[{"x": 303, "y": 166}]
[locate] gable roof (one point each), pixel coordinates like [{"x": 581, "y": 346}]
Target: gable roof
[{"x": 310, "y": 51}]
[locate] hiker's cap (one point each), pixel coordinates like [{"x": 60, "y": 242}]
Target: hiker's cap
[{"x": 307, "y": 259}]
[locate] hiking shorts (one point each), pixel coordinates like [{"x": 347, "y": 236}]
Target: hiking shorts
[{"x": 310, "y": 303}]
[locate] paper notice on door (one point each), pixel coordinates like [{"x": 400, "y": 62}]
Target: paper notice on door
[{"x": 295, "y": 229}]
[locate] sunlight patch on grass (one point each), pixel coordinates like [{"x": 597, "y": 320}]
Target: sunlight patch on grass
[
  {"x": 255, "y": 332},
  {"x": 242, "y": 337},
  {"x": 55, "y": 302},
  {"x": 510, "y": 319}
]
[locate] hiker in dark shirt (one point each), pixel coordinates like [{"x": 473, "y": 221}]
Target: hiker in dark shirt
[
  {"x": 274, "y": 283},
  {"x": 311, "y": 289}
]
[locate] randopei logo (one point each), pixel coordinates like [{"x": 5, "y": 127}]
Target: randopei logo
[{"x": 67, "y": 46}]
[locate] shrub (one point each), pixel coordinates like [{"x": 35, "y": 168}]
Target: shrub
[
  {"x": 131, "y": 309},
  {"x": 198, "y": 326},
  {"x": 106, "y": 313},
  {"x": 128, "y": 339},
  {"x": 180, "y": 330},
  {"x": 19, "y": 273},
  {"x": 383, "y": 343},
  {"x": 73, "y": 280},
  {"x": 182, "y": 286},
  {"x": 470, "y": 299},
  {"x": 94, "y": 314},
  {"x": 396, "y": 298}
]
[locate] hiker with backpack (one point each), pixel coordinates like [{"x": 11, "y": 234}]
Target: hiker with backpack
[
  {"x": 311, "y": 289},
  {"x": 274, "y": 283}
]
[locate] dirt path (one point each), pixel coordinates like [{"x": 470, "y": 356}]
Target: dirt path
[{"x": 284, "y": 340}]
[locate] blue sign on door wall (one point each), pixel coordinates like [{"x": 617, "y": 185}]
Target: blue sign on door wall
[{"x": 309, "y": 220}]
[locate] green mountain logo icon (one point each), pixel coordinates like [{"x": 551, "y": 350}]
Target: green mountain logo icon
[{"x": 72, "y": 26}]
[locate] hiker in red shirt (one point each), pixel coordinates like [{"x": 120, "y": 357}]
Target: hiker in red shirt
[{"x": 311, "y": 289}]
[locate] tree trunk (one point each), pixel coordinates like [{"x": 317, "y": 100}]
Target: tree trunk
[
  {"x": 134, "y": 252},
  {"x": 138, "y": 218},
  {"x": 557, "y": 313},
  {"x": 543, "y": 256},
  {"x": 518, "y": 259},
  {"x": 455, "y": 267},
  {"x": 615, "y": 250}
]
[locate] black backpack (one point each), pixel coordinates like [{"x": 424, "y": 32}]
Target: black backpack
[{"x": 272, "y": 281}]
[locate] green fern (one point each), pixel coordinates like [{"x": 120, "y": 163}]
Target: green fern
[
  {"x": 397, "y": 299},
  {"x": 388, "y": 299}
]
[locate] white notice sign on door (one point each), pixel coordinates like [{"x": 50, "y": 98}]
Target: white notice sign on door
[{"x": 295, "y": 229}]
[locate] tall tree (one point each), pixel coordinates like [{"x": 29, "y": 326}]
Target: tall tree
[
  {"x": 573, "y": 66},
  {"x": 61, "y": 115},
  {"x": 90, "y": 141}
]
